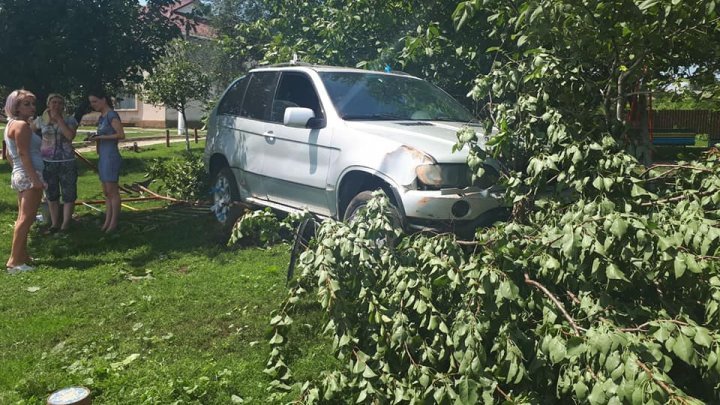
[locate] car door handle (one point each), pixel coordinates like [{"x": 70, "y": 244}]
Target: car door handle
[{"x": 269, "y": 136}]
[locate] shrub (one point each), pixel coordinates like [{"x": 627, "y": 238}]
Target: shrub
[{"x": 182, "y": 177}]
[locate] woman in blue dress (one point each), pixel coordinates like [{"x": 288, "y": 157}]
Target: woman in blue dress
[{"x": 109, "y": 132}]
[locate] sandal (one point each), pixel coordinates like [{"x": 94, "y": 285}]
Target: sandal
[{"x": 19, "y": 268}]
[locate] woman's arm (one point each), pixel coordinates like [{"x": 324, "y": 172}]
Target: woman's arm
[
  {"x": 119, "y": 131},
  {"x": 67, "y": 131},
  {"x": 23, "y": 138}
]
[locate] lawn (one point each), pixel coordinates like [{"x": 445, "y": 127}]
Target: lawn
[{"x": 160, "y": 312}]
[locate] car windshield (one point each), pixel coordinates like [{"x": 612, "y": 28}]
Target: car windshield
[{"x": 376, "y": 96}]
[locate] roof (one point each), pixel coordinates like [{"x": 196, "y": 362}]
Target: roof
[{"x": 179, "y": 12}]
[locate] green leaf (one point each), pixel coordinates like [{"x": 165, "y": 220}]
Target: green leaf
[
  {"x": 702, "y": 337},
  {"x": 683, "y": 348},
  {"x": 368, "y": 373},
  {"x": 619, "y": 227},
  {"x": 692, "y": 264},
  {"x": 647, "y": 4},
  {"x": 581, "y": 390},
  {"x": 598, "y": 183},
  {"x": 613, "y": 272},
  {"x": 557, "y": 350},
  {"x": 679, "y": 264},
  {"x": 468, "y": 391},
  {"x": 638, "y": 191},
  {"x": 277, "y": 339}
]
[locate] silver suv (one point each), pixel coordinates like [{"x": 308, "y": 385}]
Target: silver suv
[{"x": 296, "y": 137}]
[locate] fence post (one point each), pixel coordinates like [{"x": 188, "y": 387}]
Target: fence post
[
  {"x": 167, "y": 138},
  {"x": 196, "y": 136}
]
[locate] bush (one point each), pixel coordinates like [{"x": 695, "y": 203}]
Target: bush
[
  {"x": 263, "y": 228},
  {"x": 182, "y": 177}
]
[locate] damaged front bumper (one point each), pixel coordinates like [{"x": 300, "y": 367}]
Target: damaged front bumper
[{"x": 454, "y": 210}]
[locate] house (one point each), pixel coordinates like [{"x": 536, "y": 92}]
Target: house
[{"x": 131, "y": 108}]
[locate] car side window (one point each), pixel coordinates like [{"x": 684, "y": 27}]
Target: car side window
[
  {"x": 259, "y": 95},
  {"x": 295, "y": 90},
  {"x": 231, "y": 103}
]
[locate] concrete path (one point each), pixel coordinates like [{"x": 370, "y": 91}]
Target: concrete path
[{"x": 126, "y": 143}]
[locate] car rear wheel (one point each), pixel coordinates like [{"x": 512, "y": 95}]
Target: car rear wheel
[{"x": 225, "y": 193}]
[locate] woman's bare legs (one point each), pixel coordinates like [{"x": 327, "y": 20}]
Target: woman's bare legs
[
  {"x": 28, "y": 203},
  {"x": 112, "y": 206},
  {"x": 54, "y": 208},
  {"x": 68, "y": 209},
  {"x": 108, "y": 207}
]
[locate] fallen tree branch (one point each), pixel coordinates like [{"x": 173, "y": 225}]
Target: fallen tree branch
[
  {"x": 675, "y": 167},
  {"x": 156, "y": 195},
  {"x": 662, "y": 384},
  {"x": 557, "y": 303},
  {"x": 642, "y": 327},
  {"x": 503, "y": 393},
  {"x": 676, "y": 198},
  {"x": 134, "y": 199}
]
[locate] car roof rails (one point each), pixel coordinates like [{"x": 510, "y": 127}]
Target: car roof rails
[
  {"x": 297, "y": 63},
  {"x": 286, "y": 64}
]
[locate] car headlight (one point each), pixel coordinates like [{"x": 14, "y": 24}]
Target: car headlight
[
  {"x": 435, "y": 176},
  {"x": 430, "y": 175}
]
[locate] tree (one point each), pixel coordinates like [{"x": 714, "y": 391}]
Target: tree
[
  {"x": 603, "y": 55},
  {"x": 225, "y": 15},
  {"x": 68, "y": 46},
  {"x": 414, "y": 36},
  {"x": 605, "y": 285},
  {"x": 177, "y": 80}
]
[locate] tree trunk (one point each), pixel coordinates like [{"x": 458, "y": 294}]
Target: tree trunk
[{"x": 187, "y": 134}]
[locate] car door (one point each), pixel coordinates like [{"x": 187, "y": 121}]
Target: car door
[
  {"x": 249, "y": 128},
  {"x": 296, "y": 159}
]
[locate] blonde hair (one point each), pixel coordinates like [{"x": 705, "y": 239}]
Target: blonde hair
[
  {"x": 13, "y": 102},
  {"x": 46, "y": 114}
]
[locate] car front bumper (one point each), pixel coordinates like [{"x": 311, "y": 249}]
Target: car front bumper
[{"x": 451, "y": 209}]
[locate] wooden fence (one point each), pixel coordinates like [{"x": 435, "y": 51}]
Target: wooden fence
[{"x": 701, "y": 121}]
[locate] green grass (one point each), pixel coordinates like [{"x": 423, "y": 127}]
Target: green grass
[{"x": 160, "y": 312}]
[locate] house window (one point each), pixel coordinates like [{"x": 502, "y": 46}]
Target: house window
[{"x": 126, "y": 101}]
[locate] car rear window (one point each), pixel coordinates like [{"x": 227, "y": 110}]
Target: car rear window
[
  {"x": 259, "y": 95},
  {"x": 231, "y": 103}
]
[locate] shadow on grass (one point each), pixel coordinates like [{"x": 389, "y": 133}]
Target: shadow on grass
[
  {"x": 142, "y": 237},
  {"x": 9, "y": 207}
]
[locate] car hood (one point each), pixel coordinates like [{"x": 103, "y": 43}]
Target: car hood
[{"x": 435, "y": 138}]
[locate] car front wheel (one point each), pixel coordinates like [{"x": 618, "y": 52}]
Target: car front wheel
[{"x": 361, "y": 199}]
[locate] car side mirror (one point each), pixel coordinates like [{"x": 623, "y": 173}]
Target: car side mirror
[{"x": 300, "y": 117}]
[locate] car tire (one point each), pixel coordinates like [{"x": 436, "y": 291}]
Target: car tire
[
  {"x": 361, "y": 199},
  {"x": 225, "y": 194}
]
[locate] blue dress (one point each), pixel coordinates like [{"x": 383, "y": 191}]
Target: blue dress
[{"x": 110, "y": 160}]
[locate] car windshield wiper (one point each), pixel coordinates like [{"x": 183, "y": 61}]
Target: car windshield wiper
[
  {"x": 376, "y": 116},
  {"x": 451, "y": 119}
]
